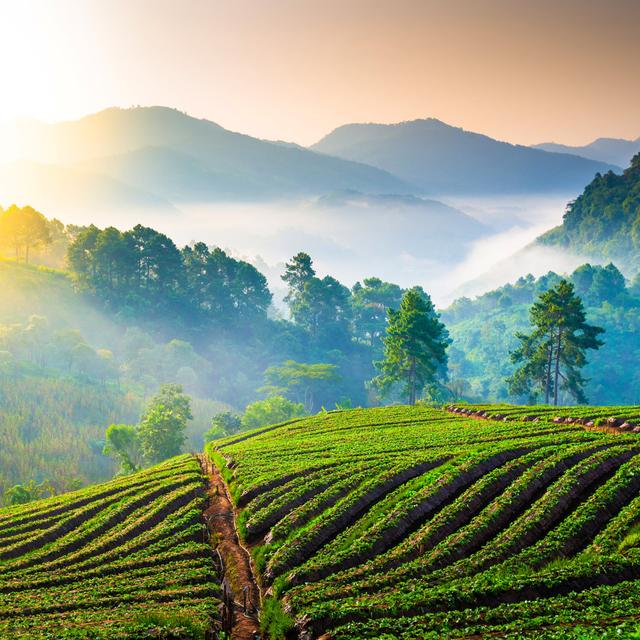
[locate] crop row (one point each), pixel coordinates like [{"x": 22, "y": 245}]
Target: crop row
[
  {"x": 371, "y": 523},
  {"x": 117, "y": 552}
]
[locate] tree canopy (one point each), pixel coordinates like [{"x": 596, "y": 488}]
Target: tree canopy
[
  {"x": 415, "y": 347},
  {"x": 23, "y": 229},
  {"x": 552, "y": 355}
]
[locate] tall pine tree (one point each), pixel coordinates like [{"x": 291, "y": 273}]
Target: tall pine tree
[
  {"x": 415, "y": 347},
  {"x": 552, "y": 356}
]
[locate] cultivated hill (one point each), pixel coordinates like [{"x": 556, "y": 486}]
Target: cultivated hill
[
  {"x": 124, "y": 559},
  {"x": 416, "y": 523},
  {"x": 441, "y": 159},
  {"x": 615, "y": 151},
  {"x": 171, "y": 156},
  {"x": 399, "y": 522}
]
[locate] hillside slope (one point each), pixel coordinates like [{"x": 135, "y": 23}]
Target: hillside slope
[
  {"x": 124, "y": 559},
  {"x": 409, "y": 522},
  {"x": 604, "y": 221},
  {"x": 168, "y": 154},
  {"x": 442, "y": 159},
  {"x": 399, "y": 522}
]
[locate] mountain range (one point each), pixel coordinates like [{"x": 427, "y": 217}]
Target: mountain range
[
  {"x": 159, "y": 158},
  {"x": 170, "y": 156},
  {"x": 444, "y": 160},
  {"x": 614, "y": 151}
]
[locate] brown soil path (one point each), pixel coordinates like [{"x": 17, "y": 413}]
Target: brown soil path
[{"x": 242, "y": 602}]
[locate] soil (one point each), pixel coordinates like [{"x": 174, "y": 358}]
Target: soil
[{"x": 243, "y": 601}]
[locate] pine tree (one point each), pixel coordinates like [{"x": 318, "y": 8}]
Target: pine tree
[
  {"x": 552, "y": 356},
  {"x": 414, "y": 347}
]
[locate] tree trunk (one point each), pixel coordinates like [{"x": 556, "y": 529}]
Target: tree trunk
[
  {"x": 557, "y": 372},
  {"x": 547, "y": 390},
  {"x": 26, "y": 254},
  {"x": 412, "y": 382}
]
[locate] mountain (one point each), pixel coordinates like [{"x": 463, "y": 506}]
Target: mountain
[
  {"x": 611, "y": 150},
  {"x": 441, "y": 159},
  {"x": 394, "y": 225},
  {"x": 604, "y": 220},
  {"x": 60, "y": 191},
  {"x": 172, "y": 155}
]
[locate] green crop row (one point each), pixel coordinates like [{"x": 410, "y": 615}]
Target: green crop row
[
  {"x": 523, "y": 511},
  {"x": 114, "y": 561}
]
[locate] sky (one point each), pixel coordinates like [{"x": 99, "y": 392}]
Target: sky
[{"x": 519, "y": 70}]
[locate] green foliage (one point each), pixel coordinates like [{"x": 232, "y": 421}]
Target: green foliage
[
  {"x": 223, "y": 424},
  {"x": 271, "y": 411},
  {"x": 631, "y": 540},
  {"x": 123, "y": 560},
  {"x": 553, "y": 354},
  {"x": 161, "y": 625},
  {"x": 483, "y": 334},
  {"x": 371, "y": 301},
  {"x": 161, "y": 429},
  {"x": 142, "y": 270},
  {"x": 24, "y": 493},
  {"x": 121, "y": 441},
  {"x": 442, "y": 526},
  {"x": 414, "y": 347},
  {"x": 274, "y": 622},
  {"x": 22, "y": 230},
  {"x": 604, "y": 220},
  {"x": 299, "y": 381},
  {"x": 53, "y": 428}
]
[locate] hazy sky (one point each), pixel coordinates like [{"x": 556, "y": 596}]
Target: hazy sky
[{"x": 521, "y": 70}]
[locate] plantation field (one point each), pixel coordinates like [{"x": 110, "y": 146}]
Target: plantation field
[
  {"x": 124, "y": 559},
  {"x": 409, "y": 522},
  {"x": 626, "y": 417}
]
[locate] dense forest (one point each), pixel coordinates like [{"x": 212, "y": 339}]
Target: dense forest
[
  {"x": 604, "y": 221},
  {"x": 484, "y": 333}
]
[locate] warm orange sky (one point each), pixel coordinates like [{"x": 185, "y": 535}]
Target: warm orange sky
[{"x": 520, "y": 70}]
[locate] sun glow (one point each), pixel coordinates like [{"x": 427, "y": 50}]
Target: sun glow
[{"x": 48, "y": 59}]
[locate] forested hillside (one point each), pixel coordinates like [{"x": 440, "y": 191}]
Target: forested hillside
[
  {"x": 604, "y": 221},
  {"x": 133, "y": 312},
  {"x": 484, "y": 330}
]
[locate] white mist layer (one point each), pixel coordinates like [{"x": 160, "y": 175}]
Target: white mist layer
[{"x": 352, "y": 243}]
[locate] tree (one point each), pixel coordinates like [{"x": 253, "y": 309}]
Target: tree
[
  {"x": 297, "y": 274},
  {"x": 223, "y": 424},
  {"x": 22, "y": 230},
  {"x": 371, "y": 300},
  {"x": 161, "y": 430},
  {"x": 24, "y": 493},
  {"x": 271, "y": 411},
  {"x": 553, "y": 354},
  {"x": 121, "y": 442},
  {"x": 321, "y": 306},
  {"x": 415, "y": 347},
  {"x": 299, "y": 381}
]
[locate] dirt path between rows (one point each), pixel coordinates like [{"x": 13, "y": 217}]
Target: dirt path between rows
[{"x": 241, "y": 595}]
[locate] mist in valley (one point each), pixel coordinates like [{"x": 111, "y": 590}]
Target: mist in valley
[{"x": 460, "y": 247}]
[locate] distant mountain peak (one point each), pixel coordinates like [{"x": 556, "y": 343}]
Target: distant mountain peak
[
  {"x": 615, "y": 151},
  {"x": 445, "y": 160}
]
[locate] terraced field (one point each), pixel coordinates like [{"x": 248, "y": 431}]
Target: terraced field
[
  {"x": 125, "y": 559},
  {"x": 403, "y": 522},
  {"x": 419, "y": 523}
]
